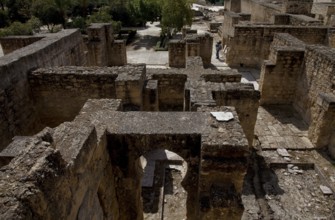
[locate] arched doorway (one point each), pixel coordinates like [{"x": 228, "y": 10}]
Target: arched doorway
[
  {"x": 163, "y": 195},
  {"x": 126, "y": 151}
]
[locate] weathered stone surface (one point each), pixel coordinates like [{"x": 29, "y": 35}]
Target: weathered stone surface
[{"x": 17, "y": 110}]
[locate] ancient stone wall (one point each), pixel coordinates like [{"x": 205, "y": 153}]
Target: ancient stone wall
[
  {"x": 11, "y": 43},
  {"x": 193, "y": 45},
  {"x": 297, "y": 6},
  {"x": 318, "y": 76},
  {"x": 206, "y": 48},
  {"x": 324, "y": 12},
  {"x": 302, "y": 75},
  {"x": 263, "y": 11},
  {"x": 87, "y": 167},
  {"x": 230, "y": 20},
  {"x": 233, "y": 5},
  {"x": 303, "y": 20},
  {"x": 68, "y": 173},
  {"x": 171, "y": 90},
  {"x": 245, "y": 100},
  {"x": 118, "y": 54},
  {"x": 102, "y": 49},
  {"x": 177, "y": 56},
  {"x": 18, "y": 115},
  {"x": 279, "y": 74},
  {"x": 250, "y": 44},
  {"x": 220, "y": 181},
  {"x": 150, "y": 96},
  {"x": 321, "y": 131},
  {"x": 59, "y": 93}
]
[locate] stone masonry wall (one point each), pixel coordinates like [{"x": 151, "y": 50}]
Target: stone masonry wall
[
  {"x": 245, "y": 99},
  {"x": 177, "y": 56},
  {"x": 17, "y": 111},
  {"x": 263, "y": 11},
  {"x": 297, "y": 6},
  {"x": 59, "y": 93},
  {"x": 86, "y": 168},
  {"x": 250, "y": 45},
  {"x": 67, "y": 172},
  {"x": 11, "y": 43},
  {"x": 193, "y": 45},
  {"x": 322, "y": 129},
  {"x": 318, "y": 76},
  {"x": 324, "y": 12},
  {"x": 103, "y": 50},
  {"x": 233, "y": 5},
  {"x": 171, "y": 89},
  {"x": 279, "y": 74}
]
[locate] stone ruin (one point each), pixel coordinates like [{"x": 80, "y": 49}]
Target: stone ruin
[{"x": 75, "y": 119}]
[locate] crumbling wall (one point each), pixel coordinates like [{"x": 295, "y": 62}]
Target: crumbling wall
[
  {"x": 245, "y": 99},
  {"x": 11, "y": 43},
  {"x": 324, "y": 12},
  {"x": 18, "y": 115},
  {"x": 318, "y": 76},
  {"x": 222, "y": 170},
  {"x": 177, "y": 57},
  {"x": 193, "y": 45},
  {"x": 263, "y": 11},
  {"x": 59, "y": 93},
  {"x": 103, "y": 50},
  {"x": 321, "y": 132},
  {"x": 250, "y": 44},
  {"x": 297, "y": 6},
  {"x": 171, "y": 89},
  {"x": 233, "y": 5},
  {"x": 67, "y": 172},
  {"x": 279, "y": 74},
  {"x": 231, "y": 19}
]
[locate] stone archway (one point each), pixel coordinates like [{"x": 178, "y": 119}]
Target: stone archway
[
  {"x": 125, "y": 149},
  {"x": 163, "y": 195}
]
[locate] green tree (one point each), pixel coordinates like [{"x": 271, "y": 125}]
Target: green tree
[
  {"x": 19, "y": 10},
  {"x": 175, "y": 14},
  {"x": 49, "y": 12}
]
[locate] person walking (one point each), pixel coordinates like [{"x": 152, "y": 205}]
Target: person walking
[{"x": 218, "y": 47}]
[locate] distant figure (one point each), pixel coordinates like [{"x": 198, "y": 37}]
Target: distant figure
[{"x": 218, "y": 47}]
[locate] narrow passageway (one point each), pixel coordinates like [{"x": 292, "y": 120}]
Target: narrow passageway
[{"x": 162, "y": 193}]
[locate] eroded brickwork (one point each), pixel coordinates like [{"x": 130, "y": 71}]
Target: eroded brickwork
[{"x": 18, "y": 114}]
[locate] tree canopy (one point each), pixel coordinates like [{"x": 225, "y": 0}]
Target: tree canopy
[{"x": 173, "y": 14}]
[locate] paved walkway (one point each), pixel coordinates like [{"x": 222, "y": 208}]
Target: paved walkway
[
  {"x": 280, "y": 126},
  {"x": 142, "y": 51}
]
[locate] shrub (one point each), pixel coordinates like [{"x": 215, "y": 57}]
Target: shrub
[{"x": 4, "y": 19}]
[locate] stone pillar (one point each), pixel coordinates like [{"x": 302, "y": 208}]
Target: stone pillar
[
  {"x": 322, "y": 129},
  {"x": 118, "y": 54},
  {"x": 97, "y": 45},
  {"x": 192, "y": 46},
  {"x": 206, "y": 48},
  {"x": 171, "y": 89},
  {"x": 233, "y": 5},
  {"x": 245, "y": 99},
  {"x": 150, "y": 99},
  {"x": 129, "y": 88},
  {"x": 102, "y": 51},
  {"x": 223, "y": 167},
  {"x": 177, "y": 53}
]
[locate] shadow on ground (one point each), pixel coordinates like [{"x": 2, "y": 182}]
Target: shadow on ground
[{"x": 148, "y": 42}]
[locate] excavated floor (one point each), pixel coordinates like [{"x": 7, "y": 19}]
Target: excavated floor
[
  {"x": 166, "y": 199},
  {"x": 280, "y": 126}
]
